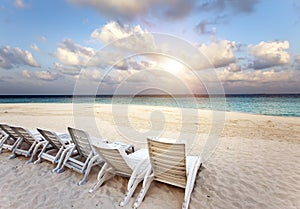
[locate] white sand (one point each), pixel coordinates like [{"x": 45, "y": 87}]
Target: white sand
[{"x": 255, "y": 165}]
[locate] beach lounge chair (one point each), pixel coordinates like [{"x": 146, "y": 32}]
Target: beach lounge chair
[
  {"x": 81, "y": 157},
  {"x": 169, "y": 164},
  {"x": 55, "y": 147},
  {"x": 8, "y": 141},
  {"x": 2, "y": 134},
  {"x": 25, "y": 141},
  {"x": 117, "y": 162}
]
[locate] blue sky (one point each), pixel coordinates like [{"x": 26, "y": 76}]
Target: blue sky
[{"x": 50, "y": 47}]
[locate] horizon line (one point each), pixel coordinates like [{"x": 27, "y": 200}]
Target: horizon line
[{"x": 141, "y": 95}]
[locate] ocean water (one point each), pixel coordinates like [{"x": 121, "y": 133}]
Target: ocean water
[{"x": 278, "y": 105}]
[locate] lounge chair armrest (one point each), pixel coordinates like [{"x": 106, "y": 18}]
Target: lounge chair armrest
[
  {"x": 129, "y": 148},
  {"x": 16, "y": 144},
  {"x": 195, "y": 166},
  {"x": 95, "y": 140},
  {"x": 191, "y": 178},
  {"x": 64, "y": 138}
]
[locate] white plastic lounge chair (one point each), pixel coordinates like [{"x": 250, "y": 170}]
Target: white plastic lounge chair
[
  {"x": 9, "y": 138},
  {"x": 81, "y": 156},
  {"x": 32, "y": 140},
  {"x": 55, "y": 146},
  {"x": 169, "y": 164},
  {"x": 2, "y": 136},
  {"x": 117, "y": 162},
  {"x": 23, "y": 141}
]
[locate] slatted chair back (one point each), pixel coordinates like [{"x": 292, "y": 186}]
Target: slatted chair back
[
  {"x": 2, "y": 133},
  {"x": 51, "y": 137},
  {"x": 81, "y": 140},
  {"x": 168, "y": 161},
  {"x": 114, "y": 158},
  {"x": 27, "y": 136},
  {"x": 9, "y": 130}
]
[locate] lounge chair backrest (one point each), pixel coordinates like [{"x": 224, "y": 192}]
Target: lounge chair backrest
[
  {"x": 114, "y": 158},
  {"x": 2, "y": 132},
  {"x": 51, "y": 137},
  {"x": 81, "y": 140},
  {"x": 8, "y": 130},
  {"x": 27, "y": 136},
  {"x": 168, "y": 162}
]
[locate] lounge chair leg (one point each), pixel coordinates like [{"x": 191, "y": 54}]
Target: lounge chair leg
[
  {"x": 62, "y": 161},
  {"x": 17, "y": 143},
  {"x": 103, "y": 175},
  {"x": 60, "y": 170},
  {"x": 129, "y": 193},
  {"x": 28, "y": 161},
  {"x": 12, "y": 156},
  {"x": 36, "y": 147},
  {"x": 33, "y": 147},
  {"x": 143, "y": 192},
  {"x": 39, "y": 157},
  {"x": 58, "y": 155},
  {"x": 15, "y": 147},
  {"x": 4, "y": 139},
  {"x": 37, "y": 161},
  {"x": 104, "y": 178},
  {"x": 88, "y": 169},
  {"x": 96, "y": 186}
]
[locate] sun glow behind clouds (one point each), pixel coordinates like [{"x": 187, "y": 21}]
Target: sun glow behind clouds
[{"x": 173, "y": 66}]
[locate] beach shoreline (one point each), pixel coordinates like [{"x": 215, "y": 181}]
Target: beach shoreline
[{"x": 255, "y": 164}]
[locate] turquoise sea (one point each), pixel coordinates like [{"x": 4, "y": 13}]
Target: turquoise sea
[{"x": 279, "y": 105}]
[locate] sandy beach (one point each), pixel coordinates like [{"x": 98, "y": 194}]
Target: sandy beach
[{"x": 255, "y": 164}]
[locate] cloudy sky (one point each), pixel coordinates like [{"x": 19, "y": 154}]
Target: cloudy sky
[{"x": 56, "y": 47}]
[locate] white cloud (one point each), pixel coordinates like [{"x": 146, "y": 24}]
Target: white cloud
[
  {"x": 219, "y": 53},
  {"x": 129, "y": 9},
  {"x": 113, "y": 31},
  {"x": 70, "y": 53},
  {"x": 233, "y": 67},
  {"x": 34, "y": 47},
  {"x": 261, "y": 81},
  {"x": 46, "y": 75},
  {"x": 257, "y": 76},
  {"x": 92, "y": 75},
  {"x": 269, "y": 54},
  {"x": 41, "y": 75},
  {"x": 137, "y": 38},
  {"x": 68, "y": 70},
  {"x": 26, "y": 74},
  {"x": 20, "y": 4},
  {"x": 13, "y": 57}
]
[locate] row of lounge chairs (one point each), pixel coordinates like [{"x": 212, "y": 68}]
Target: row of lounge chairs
[{"x": 165, "y": 160}]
